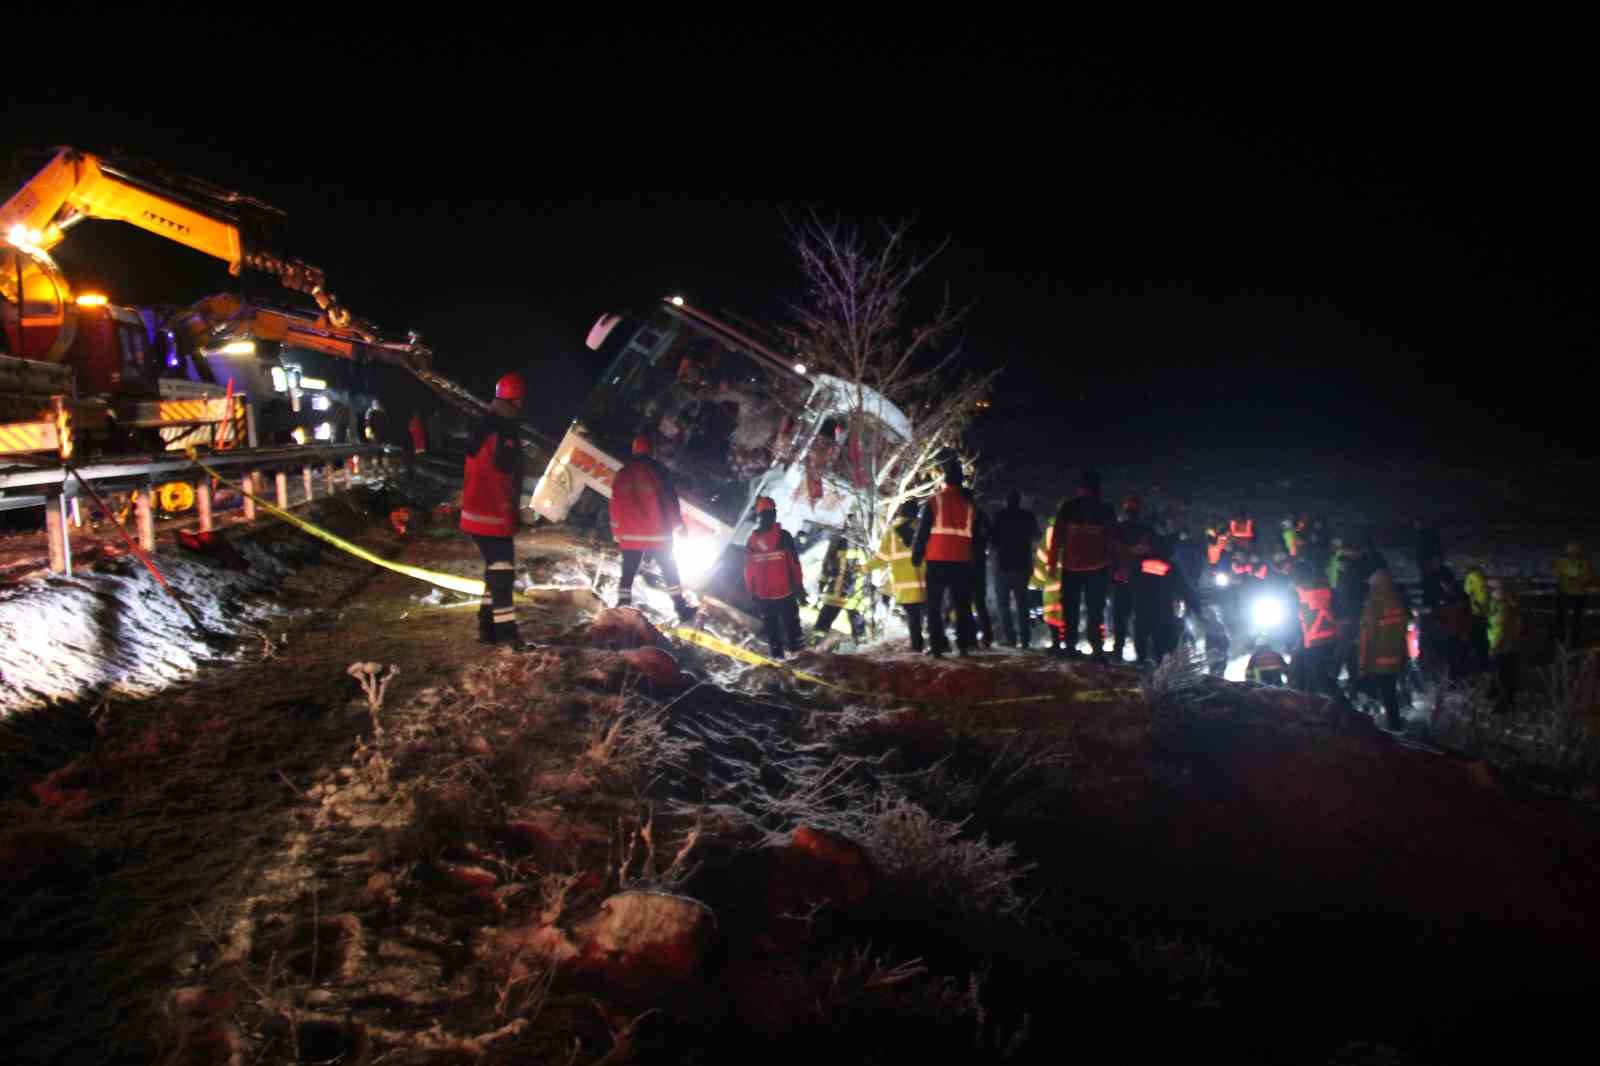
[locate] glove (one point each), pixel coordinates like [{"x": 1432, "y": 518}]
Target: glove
[{"x": 801, "y": 598}]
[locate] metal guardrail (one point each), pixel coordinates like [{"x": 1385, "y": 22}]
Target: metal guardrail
[
  {"x": 136, "y": 470},
  {"x": 56, "y": 487}
]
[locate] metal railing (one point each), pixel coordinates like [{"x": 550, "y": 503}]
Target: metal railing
[{"x": 56, "y": 487}]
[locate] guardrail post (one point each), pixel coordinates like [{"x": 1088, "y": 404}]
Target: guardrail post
[
  {"x": 77, "y": 514},
  {"x": 249, "y": 486},
  {"x": 355, "y": 466},
  {"x": 281, "y": 483},
  {"x": 202, "y": 499},
  {"x": 55, "y": 531},
  {"x": 328, "y": 470},
  {"x": 305, "y": 475},
  {"x": 146, "y": 512},
  {"x": 250, "y": 423}
]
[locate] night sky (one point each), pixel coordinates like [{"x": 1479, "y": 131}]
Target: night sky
[{"x": 1367, "y": 239}]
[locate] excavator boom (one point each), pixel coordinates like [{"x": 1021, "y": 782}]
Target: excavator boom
[{"x": 75, "y": 185}]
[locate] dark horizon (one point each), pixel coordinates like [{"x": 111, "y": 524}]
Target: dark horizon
[{"x": 1254, "y": 253}]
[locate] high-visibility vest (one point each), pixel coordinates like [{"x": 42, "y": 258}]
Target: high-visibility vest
[
  {"x": 950, "y": 540},
  {"x": 908, "y": 583},
  {"x": 1215, "y": 548},
  {"x": 1044, "y": 580},
  {"x": 841, "y": 586},
  {"x": 1316, "y": 616},
  {"x": 1242, "y": 530},
  {"x": 1155, "y": 567}
]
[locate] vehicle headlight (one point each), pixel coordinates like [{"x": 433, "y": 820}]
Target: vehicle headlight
[
  {"x": 1267, "y": 612},
  {"x": 1222, "y": 581},
  {"x": 695, "y": 555}
]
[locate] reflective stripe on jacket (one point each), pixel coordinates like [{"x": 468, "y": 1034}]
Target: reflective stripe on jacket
[
  {"x": 491, "y": 480},
  {"x": 1043, "y": 579},
  {"x": 1383, "y": 632},
  {"x": 1316, "y": 616},
  {"x": 907, "y": 583},
  {"x": 951, "y": 538},
  {"x": 644, "y": 506},
  {"x": 771, "y": 566},
  {"x": 841, "y": 579}
]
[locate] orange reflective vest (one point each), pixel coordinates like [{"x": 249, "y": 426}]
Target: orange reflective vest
[
  {"x": 950, "y": 540},
  {"x": 1317, "y": 626},
  {"x": 1155, "y": 567},
  {"x": 1242, "y": 529}
]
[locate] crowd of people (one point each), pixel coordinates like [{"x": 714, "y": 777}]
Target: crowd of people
[{"x": 1340, "y": 624}]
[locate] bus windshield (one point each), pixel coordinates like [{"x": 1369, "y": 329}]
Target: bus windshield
[{"x": 718, "y": 412}]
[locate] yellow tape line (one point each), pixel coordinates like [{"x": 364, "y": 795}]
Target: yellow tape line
[
  {"x": 470, "y": 585},
  {"x": 745, "y": 655}
]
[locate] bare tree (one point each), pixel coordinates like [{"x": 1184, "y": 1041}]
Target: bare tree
[{"x": 855, "y": 325}]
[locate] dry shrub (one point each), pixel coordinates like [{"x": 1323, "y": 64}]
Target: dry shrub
[
  {"x": 628, "y": 736},
  {"x": 920, "y": 855},
  {"x": 876, "y": 1000}
]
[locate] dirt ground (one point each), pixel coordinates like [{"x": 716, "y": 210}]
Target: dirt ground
[{"x": 255, "y": 865}]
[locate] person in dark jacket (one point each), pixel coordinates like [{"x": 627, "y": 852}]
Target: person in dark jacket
[
  {"x": 1349, "y": 601},
  {"x": 491, "y": 492},
  {"x": 944, "y": 539},
  {"x": 772, "y": 577},
  {"x": 1160, "y": 587},
  {"x": 1134, "y": 534},
  {"x": 982, "y": 535},
  {"x": 1015, "y": 532},
  {"x": 1083, "y": 553},
  {"x": 644, "y": 515}
]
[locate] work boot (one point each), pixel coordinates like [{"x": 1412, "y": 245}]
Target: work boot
[
  {"x": 685, "y": 611},
  {"x": 936, "y": 653},
  {"x": 625, "y": 598}
]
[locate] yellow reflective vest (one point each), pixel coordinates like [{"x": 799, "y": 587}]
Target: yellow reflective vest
[
  {"x": 841, "y": 580},
  {"x": 1505, "y": 625},
  {"x": 1476, "y": 586},
  {"x": 1054, "y": 614},
  {"x": 907, "y": 583}
]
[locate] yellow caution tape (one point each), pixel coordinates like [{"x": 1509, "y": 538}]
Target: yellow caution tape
[
  {"x": 745, "y": 655},
  {"x": 470, "y": 585}
]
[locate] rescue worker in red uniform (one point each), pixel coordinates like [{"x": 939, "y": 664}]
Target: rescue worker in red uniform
[
  {"x": 419, "y": 434},
  {"x": 644, "y": 514},
  {"x": 944, "y": 540},
  {"x": 1083, "y": 551},
  {"x": 1313, "y": 666},
  {"x": 1242, "y": 531},
  {"x": 490, "y": 497},
  {"x": 773, "y": 579}
]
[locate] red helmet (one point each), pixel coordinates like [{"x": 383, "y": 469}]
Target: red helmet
[
  {"x": 1132, "y": 503},
  {"x": 510, "y": 388},
  {"x": 642, "y": 445},
  {"x": 766, "y": 503}
]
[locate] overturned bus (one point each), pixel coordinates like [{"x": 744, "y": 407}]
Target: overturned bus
[{"x": 732, "y": 418}]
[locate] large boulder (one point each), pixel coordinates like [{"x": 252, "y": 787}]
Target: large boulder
[{"x": 639, "y": 945}]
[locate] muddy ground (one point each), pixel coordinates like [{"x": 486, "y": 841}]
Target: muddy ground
[{"x": 255, "y": 865}]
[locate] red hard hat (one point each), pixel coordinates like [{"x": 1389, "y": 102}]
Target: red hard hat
[
  {"x": 642, "y": 445},
  {"x": 510, "y": 388},
  {"x": 1132, "y": 503},
  {"x": 765, "y": 503}
]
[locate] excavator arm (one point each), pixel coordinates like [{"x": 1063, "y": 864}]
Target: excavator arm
[{"x": 75, "y": 185}]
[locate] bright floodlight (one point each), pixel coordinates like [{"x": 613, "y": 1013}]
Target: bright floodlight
[
  {"x": 799, "y": 368},
  {"x": 677, "y": 301},
  {"x": 695, "y": 555},
  {"x": 92, "y": 299},
  {"x": 1267, "y": 612},
  {"x": 1222, "y": 581}
]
